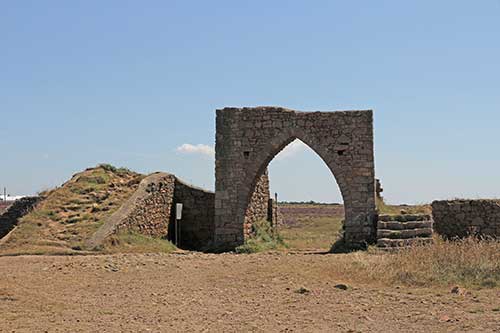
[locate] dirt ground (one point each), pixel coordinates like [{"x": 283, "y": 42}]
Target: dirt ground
[{"x": 194, "y": 292}]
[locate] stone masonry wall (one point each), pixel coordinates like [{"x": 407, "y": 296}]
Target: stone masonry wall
[
  {"x": 247, "y": 139},
  {"x": 147, "y": 211},
  {"x": 151, "y": 211},
  {"x": 196, "y": 225},
  {"x": 10, "y": 217},
  {"x": 461, "y": 218},
  {"x": 258, "y": 208}
]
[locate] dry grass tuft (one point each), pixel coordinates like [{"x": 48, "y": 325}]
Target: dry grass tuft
[
  {"x": 468, "y": 262},
  {"x": 132, "y": 242},
  {"x": 386, "y": 209}
]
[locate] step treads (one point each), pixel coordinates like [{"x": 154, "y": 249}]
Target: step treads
[
  {"x": 387, "y": 242},
  {"x": 394, "y": 225},
  {"x": 405, "y": 217},
  {"x": 409, "y": 233}
]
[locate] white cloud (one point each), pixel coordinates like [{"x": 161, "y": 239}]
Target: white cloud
[
  {"x": 292, "y": 149},
  {"x": 200, "y": 149}
]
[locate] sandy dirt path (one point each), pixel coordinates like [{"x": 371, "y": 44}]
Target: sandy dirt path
[{"x": 196, "y": 292}]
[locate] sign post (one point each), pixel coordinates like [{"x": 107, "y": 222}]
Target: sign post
[
  {"x": 275, "y": 211},
  {"x": 178, "y": 217}
]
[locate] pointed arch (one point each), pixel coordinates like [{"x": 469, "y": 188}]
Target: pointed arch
[{"x": 249, "y": 138}]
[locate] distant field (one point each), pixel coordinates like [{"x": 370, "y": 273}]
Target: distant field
[
  {"x": 311, "y": 226},
  {"x": 316, "y": 226}
]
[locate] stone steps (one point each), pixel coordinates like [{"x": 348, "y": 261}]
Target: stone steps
[
  {"x": 394, "y": 225},
  {"x": 402, "y": 231},
  {"x": 403, "y": 234},
  {"x": 396, "y": 243}
]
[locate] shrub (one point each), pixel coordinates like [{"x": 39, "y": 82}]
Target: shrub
[{"x": 263, "y": 238}]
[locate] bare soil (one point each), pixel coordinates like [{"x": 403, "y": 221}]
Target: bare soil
[{"x": 194, "y": 292}]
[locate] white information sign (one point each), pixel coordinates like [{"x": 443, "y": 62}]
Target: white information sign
[{"x": 178, "y": 211}]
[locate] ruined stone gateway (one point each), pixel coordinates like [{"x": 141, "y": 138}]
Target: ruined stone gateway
[{"x": 247, "y": 139}]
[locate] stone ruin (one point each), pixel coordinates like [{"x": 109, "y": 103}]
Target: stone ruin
[
  {"x": 247, "y": 139},
  {"x": 462, "y": 218},
  {"x": 151, "y": 211}
]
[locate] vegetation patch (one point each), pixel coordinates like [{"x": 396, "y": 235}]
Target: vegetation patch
[
  {"x": 472, "y": 262},
  {"x": 386, "y": 209},
  {"x": 129, "y": 241},
  {"x": 263, "y": 238}
]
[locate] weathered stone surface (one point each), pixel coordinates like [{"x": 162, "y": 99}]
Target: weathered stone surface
[
  {"x": 404, "y": 233},
  {"x": 258, "y": 207},
  {"x": 151, "y": 212},
  {"x": 247, "y": 139},
  {"x": 399, "y": 231},
  {"x": 400, "y": 243},
  {"x": 461, "y": 218},
  {"x": 196, "y": 225},
  {"x": 147, "y": 211},
  {"x": 394, "y": 225},
  {"x": 405, "y": 217}
]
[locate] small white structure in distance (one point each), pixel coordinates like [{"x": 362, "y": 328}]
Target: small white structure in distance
[{"x": 11, "y": 197}]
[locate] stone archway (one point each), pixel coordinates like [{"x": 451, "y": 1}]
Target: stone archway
[{"x": 247, "y": 139}]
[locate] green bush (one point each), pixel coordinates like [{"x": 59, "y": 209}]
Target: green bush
[{"x": 263, "y": 238}]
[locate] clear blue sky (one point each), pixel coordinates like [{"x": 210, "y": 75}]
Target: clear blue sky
[{"x": 127, "y": 82}]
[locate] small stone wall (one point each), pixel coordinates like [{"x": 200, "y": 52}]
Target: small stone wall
[
  {"x": 147, "y": 211},
  {"x": 196, "y": 225},
  {"x": 461, "y": 218},
  {"x": 258, "y": 208},
  {"x": 151, "y": 211},
  {"x": 15, "y": 210}
]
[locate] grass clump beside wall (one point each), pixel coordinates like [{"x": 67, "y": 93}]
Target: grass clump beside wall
[
  {"x": 263, "y": 238},
  {"x": 470, "y": 262},
  {"x": 133, "y": 242}
]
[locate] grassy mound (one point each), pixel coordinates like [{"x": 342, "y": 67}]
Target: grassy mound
[
  {"x": 263, "y": 238},
  {"x": 68, "y": 215}
]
